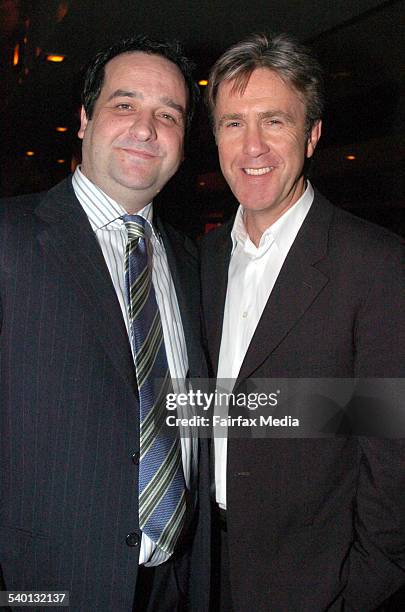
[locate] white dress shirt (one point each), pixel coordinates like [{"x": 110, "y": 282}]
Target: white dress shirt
[
  {"x": 252, "y": 274},
  {"x": 104, "y": 215}
]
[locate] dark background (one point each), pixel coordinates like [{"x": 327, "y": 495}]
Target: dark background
[{"x": 361, "y": 45}]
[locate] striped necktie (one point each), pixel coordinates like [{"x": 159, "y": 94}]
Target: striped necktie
[{"x": 162, "y": 492}]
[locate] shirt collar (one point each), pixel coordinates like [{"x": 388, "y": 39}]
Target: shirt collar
[
  {"x": 283, "y": 232},
  {"x": 101, "y": 210}
]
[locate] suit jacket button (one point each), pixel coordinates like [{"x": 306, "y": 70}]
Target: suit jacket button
[
  {"x": 132, "y": 539},
  {"x": 135, "y": 458}
]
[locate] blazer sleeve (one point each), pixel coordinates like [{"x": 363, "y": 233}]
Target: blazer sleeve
[{"x": 377, "y": 557}]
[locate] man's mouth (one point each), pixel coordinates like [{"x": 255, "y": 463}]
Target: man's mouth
[
  {"x": 139, "y": 153},
  {"x": 257, "y": 171}
]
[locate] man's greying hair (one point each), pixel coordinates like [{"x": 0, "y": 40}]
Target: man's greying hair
[
  {"x": 172, "y": 51},
  {"x": 294, "y": 64}
]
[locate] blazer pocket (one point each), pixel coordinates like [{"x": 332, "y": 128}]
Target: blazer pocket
[{"x": 15, "y": 542}]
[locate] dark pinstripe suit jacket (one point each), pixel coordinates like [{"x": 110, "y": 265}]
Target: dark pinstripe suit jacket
[{"x": 68, "y": 412}]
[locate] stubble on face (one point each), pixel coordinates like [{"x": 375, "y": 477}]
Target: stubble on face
[{"x": 133, "y": 143}]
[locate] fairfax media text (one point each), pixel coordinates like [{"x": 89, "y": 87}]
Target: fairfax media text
[{"x": 229, "y": 421}]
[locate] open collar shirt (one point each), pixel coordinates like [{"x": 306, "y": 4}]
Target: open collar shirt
[{"x": 252, "y": 274}]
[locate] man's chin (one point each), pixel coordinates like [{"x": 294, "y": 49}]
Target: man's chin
[
  {"x": 255, "y": 204},
  {"x": 138, "y": 183}
]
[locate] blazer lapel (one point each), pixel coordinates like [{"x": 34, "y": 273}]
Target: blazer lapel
[
  {"x": 218, "y": 283},
  {"x": 68, "y": 235},
  {"x": 301, "y": 279},
  {"x": 183, "y": 265}
]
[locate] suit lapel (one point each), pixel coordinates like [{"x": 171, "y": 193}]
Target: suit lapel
[
  {"x": 301, "y": 279},
  {"x": 183, "y": 266},
  {"x": 218, "y": 283},
  {"x": 66, "y": 232}
]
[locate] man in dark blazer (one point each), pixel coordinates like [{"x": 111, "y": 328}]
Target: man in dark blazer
[
  {"x": 296, "y": 288},
  {"x": 69, "y": 407}
]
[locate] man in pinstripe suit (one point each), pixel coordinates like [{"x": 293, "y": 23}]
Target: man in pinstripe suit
[{"x": 69, "y": 408}]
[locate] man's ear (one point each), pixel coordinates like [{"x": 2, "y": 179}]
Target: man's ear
[
  {"x": 313, "y": 138},
  {"x": 83, "y": 123}
]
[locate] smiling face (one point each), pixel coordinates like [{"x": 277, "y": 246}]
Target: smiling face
[
  {"x": 133, "y": 143},
  {"x": 262, "y": 144}
]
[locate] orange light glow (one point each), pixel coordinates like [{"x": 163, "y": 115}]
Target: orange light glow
[
  {"x": 16, "y": 55},
  {"x": 60, "y": 161},
  {"x": 203, "y": 83},
  {"x": 350, "y": 157},
  {"x": 61, "y": 129},
  {"x": 29, "y": 153},
  {"x": 56, "y": 59}
]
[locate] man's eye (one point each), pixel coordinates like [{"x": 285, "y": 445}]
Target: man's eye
[
  {"x": 233, "y": 124},
  {"x": 123, "y": 106},
  {"x": 168, "y": 117}
]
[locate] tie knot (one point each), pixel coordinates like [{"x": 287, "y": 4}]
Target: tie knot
[{"x": 135, "y": 225}]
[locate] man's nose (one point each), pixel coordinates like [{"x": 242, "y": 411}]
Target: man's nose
[
  {"x": 255, "y": 143},
  {"x": 143, "y": 127}
]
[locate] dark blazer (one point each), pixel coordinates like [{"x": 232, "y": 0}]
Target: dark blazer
[
  {"x": 317, "y": 524},
  {"x": 69, "y": 404}
]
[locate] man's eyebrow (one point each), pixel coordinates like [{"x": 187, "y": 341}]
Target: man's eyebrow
[
  {"x": 263, "y": 115},
  {"x": 122, "y": 93},
  {"x": 230, "y": 117},
  {"x": 174, "y": 105},
  {"x": 277, "y": 113}
]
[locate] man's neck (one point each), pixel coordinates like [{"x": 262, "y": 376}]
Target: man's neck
[
  {"x": 131, "y": 202},
  {"x": 258, "y": 221}
]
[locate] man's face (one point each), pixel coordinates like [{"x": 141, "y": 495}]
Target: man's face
[
  {"x": 133, "y": 143},
  {"x": 262, "y": 143}
]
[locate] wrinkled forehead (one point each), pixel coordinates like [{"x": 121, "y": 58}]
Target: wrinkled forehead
[
  {"x": 145, "y": 75},
  {"x": 259, "y": 83},
  {"x": 264, "y": 79}
]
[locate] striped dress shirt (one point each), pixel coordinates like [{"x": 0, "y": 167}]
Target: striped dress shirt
[{"x": 104, "y": 215}]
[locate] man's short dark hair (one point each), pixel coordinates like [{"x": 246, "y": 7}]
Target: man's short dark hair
[
  {"x": 172, "y": 51},
  {"x": 294, "y": 64}
]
